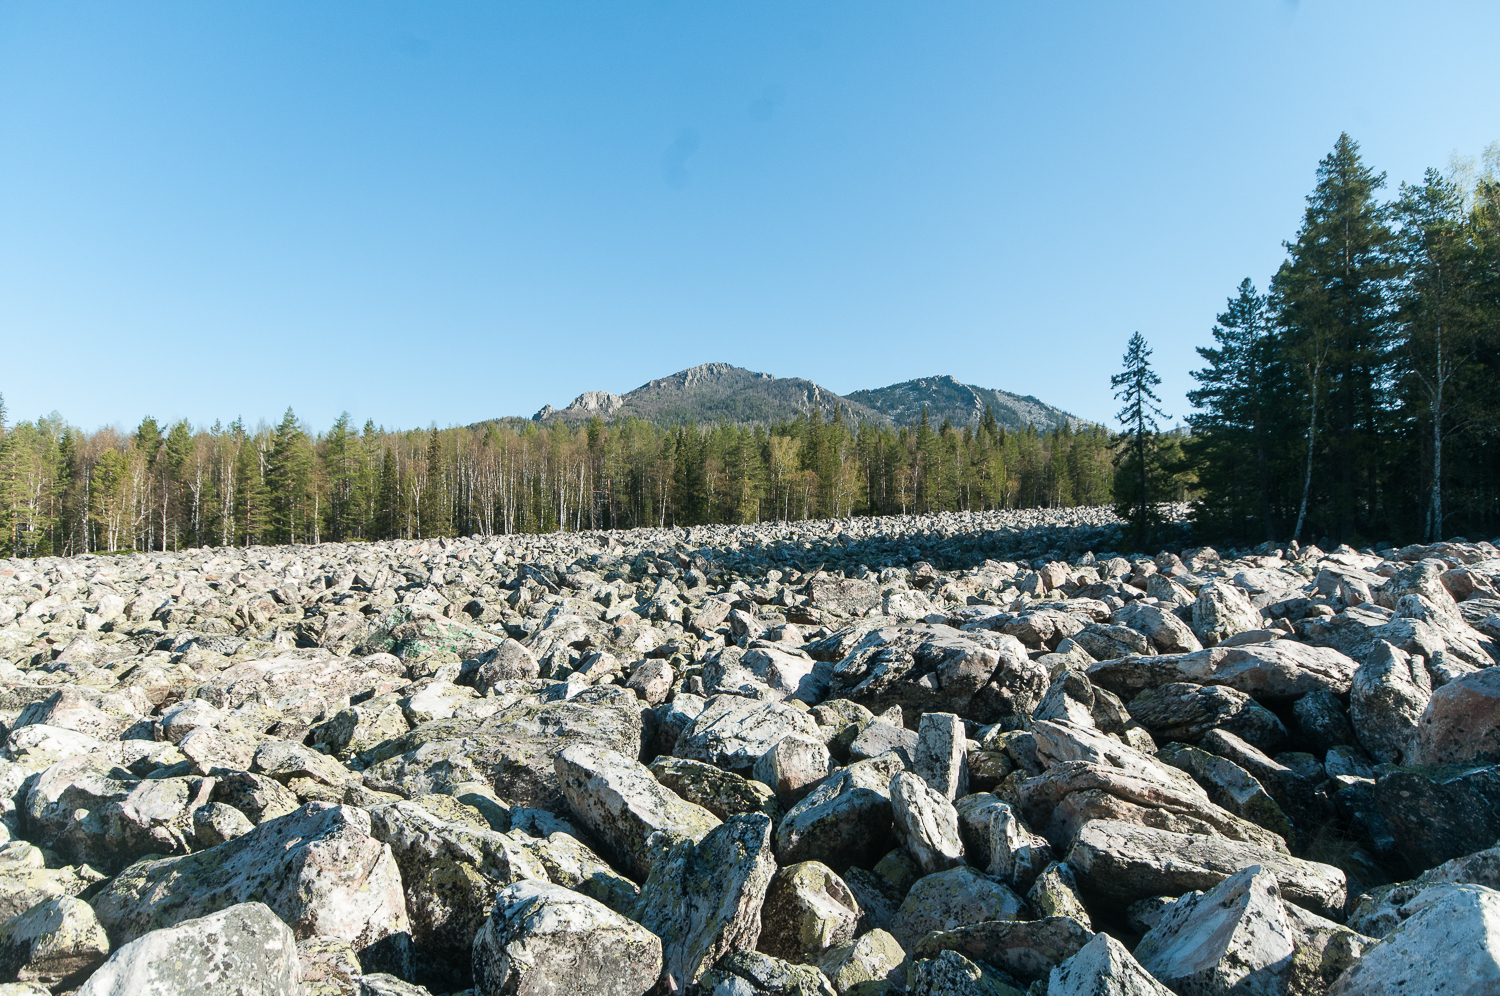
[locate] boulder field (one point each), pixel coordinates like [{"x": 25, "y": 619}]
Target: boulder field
[{"x": 943, "y": 755}]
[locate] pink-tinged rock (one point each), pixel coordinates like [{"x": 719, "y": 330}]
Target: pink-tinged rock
[{"x": 1461, "y": 724}]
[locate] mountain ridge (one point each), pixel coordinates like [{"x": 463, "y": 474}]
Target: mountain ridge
[{"x": 714, "y": 392}]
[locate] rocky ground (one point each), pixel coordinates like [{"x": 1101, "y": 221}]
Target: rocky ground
[{"x": 949, "y": 755}]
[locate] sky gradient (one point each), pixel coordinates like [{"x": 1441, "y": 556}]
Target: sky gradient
[{"x": 440, "y": 213}]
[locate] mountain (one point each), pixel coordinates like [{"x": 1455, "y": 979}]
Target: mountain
[
  {"x": 960, "y": 404},
  {"x": 715, "y": 392}
]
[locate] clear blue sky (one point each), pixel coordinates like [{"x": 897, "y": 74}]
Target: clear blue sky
[{"x": 443, "y": 212}]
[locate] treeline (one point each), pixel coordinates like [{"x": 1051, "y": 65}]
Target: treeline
[
  {"x": 65, "y": 491},
  {"x": 1358, "y": 399}
]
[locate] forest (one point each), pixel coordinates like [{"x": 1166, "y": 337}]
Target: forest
[
  {"x": 164, "y": 487},
  {"x": 1356, "y": 399}
]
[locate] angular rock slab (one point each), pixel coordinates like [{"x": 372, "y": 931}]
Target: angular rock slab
[
  {"x": 1276, "y": 671},
  {"x": 1212, "y": 941},
  {"x": 1461, "y": 723},
  {"x": 952, "y": 899},
  {"x": 808, "y": 911},
  {"x": 752, "y": 973},
  {"x": 623, "y": 806},
  {"x": 1027, "y": 950},
  {"x": 243, "y": 949},
  {"x": 1103, "y": 967},
  {"x": 319, "y": 869},
  {"x": 52, "y": 941},
  {"x": 542, "y": 938},
  {"x": 1448, "y": 946},
  {"x": 704, "y": 899},
  {"x": 926, "y": 823},
  {"x": 1440, "y": 813},
  {"x": 1125, "y": 862},
  {"x": 845, "y": 821}
]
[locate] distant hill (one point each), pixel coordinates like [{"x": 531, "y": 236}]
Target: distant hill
[
  {"x": 715, "y": 392},
  {"x": 960, "y": 404}
]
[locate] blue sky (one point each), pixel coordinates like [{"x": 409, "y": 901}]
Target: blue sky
[{"x": 445, "y": 212}]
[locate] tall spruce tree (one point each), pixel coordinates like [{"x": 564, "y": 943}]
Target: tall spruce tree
[{"x": 1139, "y": 485}]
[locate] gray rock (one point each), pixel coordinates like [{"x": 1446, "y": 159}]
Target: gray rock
[
  {"x": 25, "y": 879},
  {"x": 733, "y": 732},
  {"x": 951, "y": 974},
  {"x": 1212, "y": 941},
  {"x": 319, "y": 869},
  {"x": 1055, "y": 893},
  {"x": 1016, "y": 855},
  {"x": 704, "y": 900},
  {"x": 1169, "y": 634},
  {"x": 1184, "y": 712},
  {"x": 542, "y": 938},
  {"x": 1103, "y": 967},
  {"x": 1389, "y": 693},
  {"x": 1231, "y": 787},
  {"x": 1026, "y": 950},
  {"x": 952, "y": 899},
  {"x": 1220, "y": 611},
  {"x": 1124, "y": 862},
  {"x": 624, "y": 807},
  {"x": 940, "y": 757},
  {"x": 1323, "y": 721},
  {"x": 793, "y": 767},
  {"x": 1447, "y": 944},
  {"x": 846, "y": 820},
  {"x": 926, "y": 823},
  {"x": 244, "y": 948},
  {"x": 872, "y": 957},
  {"x": 1271, "y": 672},
  {"x": 751, "y": 973},
  {"x": 450, "y": 875},
  {"x": 721, "y": 792},
  {"x": 53, "y": 941},
  {"x": 808, "y": 911}
]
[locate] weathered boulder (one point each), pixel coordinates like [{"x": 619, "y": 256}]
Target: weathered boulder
[
  {"x": 1386, "y": 700},
  {"x": 938, "y": 669},
  {"x": 542, "y": 938},
  {"x": 1055, "y": 893},
  {"x": 926, "y": 823},
  {"x": 1449, "y": 943},
  {"x": 1461, "y": 722},
  {"x": 721, "y": 792},
  {"x": 619, "y": 802},
  {"x": 846, "y": 820},
  {"x": 1169, "y": 634},
  {"x": 1440, "y": 813},
  {"x": 704, "y": 899},
  {"x": 319, "y": 869},
  {"x": 794, "y": 766},
  {"x": 1026, "y": 950},
  {"x": 242, "y": 949},
  {"x": 1124, "y": 862},
  {"x": 1103, "y": 967},
  {"x": 451, "y": 872},
  {"x": 1016, "y": 855},
  {"x": 1220, "y": 611},
  {"x": 951, "y": 974},
  {"x": 56, "y": 940},
  {"x": 1231, "y": 787},
  {"x": 508, "y": 662},
  {"x": 940, "y": 757},
  {"x": 1270, "y": 672},
  {"x": 1209, "y": 942},
  {"x": 872, "y": 957},
  {"x": 1184, "y": 712},
  {"x": 808, "y": 911},
  {"x": 951, "y": 899},
  {"x": 25, "y": 879},
  {"x": 752, "y": 973},
  {"x": 512, "y": 750},
  {"x": 733, "y": 732}
]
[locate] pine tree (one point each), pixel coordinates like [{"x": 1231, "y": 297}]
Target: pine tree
[
  {"x": 288, "y": 481},
  {"x": 1138, "y": 487}
]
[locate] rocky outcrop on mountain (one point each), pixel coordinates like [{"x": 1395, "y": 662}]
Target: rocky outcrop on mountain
[{"x": 936, "y": 753}]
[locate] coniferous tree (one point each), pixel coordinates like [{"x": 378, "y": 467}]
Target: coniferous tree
[{"x": 1139, "y": 488}]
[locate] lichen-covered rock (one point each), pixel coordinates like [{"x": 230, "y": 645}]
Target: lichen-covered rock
[
  {"x": 1124, "y": 862},
  {"x": 450, "y": 874},
  {"x": 793, "y": 767},
  {"x": 940, "y": 754},
  {"x": 704, "y": 899},
  {"x": 51, "y": 942},
  {"x": 25, "y": 879},
  {"x": 619, "y": 802},
  {"x": 1449, "y": 943},
  {"x": 1209, "y": 942},
  {"x": 845, "y": 821},
  {"x": 242, "y": 949},
  {"x": 733, "y": 732},
  {"x": 1220, "y": 611},
  {"x": 721, "y": 792},
  {"x": 1270, "y": 672},
  {"x": 926, "y": 823},
  {"x": 1390, "y": 691},
  {"x": 808, "y": 910},
  {"x": 872, "y": 957},
  {"x": 319, "y": 869},
  {"x": 1027, "y": 950},
  {"x": 951, "y": 974},
  {"x": 1230, "y": 787},
  {"x": 1439, "y": 813},
  {"x": 1055, "y": 893},
  {"x": 1016, "y": 855},
  {"x": 752, "y": 973},
  {"x": 1461, "y": 722},
  {"x": 1184, "y": 712},
  {"x": 330, "y": 966},
  {"x": 948, "y": 900},
  {"x": 571, "y": 864},
  {"x": 1103, "y": 967},
  {"x": 542, "y": 938}
]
